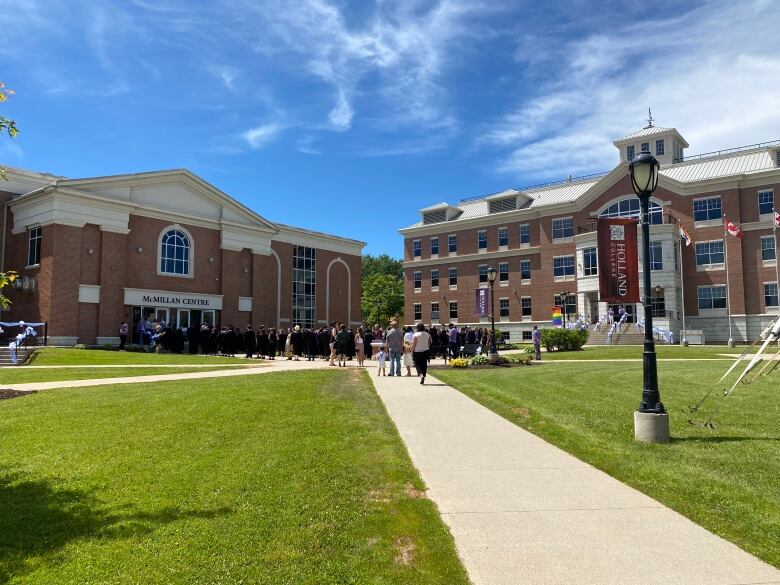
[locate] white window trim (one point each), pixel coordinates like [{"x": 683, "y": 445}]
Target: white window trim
[
  {"x": 566, "y": 239},
  {"x": 417, "y": 241},
  {"x": 712, "y": 312},
  {"x": 29, "y": 231},
  {"x": 763, "y": 216},
  {"x": 565, "y": 278},
  {"x": 158, "y": 259},
  {"x": 772, "y": 308},
  {"x": 767, "y": 263},
  {"x": 707, "y": 222},
  {"x": 455, "y": 253},
  {"x": 502, "y": 247},
  {"x": 710, "y": 267}
]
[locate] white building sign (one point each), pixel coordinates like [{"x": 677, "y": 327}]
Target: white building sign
[{"x": 164, "y": 298}]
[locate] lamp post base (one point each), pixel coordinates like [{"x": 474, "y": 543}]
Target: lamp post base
[
  {"x": 685, "y": 343},
  {"x": 732, "y": 343},
  {"x": 651, "y": 427}
]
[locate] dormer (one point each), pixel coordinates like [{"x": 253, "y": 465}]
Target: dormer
[
  {"x": 508, "y": 200},
  {"x": 439, "y": 213},
  {"x": 665, "y": 144}
]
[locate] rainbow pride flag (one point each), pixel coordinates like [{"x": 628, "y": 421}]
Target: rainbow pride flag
[{"x": 557, "y": 317}]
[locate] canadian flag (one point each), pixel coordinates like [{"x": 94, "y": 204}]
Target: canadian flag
[
  {"x": 733, "y": 229},
  {"x": 777, "y": 218}
]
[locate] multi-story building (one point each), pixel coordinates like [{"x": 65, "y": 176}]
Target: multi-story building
[
  {"x": 168, "y": 245},
  {"x": 542, "y": 241}
]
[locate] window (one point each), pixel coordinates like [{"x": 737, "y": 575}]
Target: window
[
  {"x": 175, "y": 253},
  {"x": 503, "y": 307},
  {"x": 525, "y": 234},
  {"x": 707, "y": 209},
  {"x": 629, "y": 153},
  {"x": 453, "y": 309},
  {"x": 503, "y": 237},
  {"x": 525, "y": 270},
  {"x": 766, "y": 202},
  {"x": 563, "y": 266},
  {"x": 659, "y": 147},
  {"x": 709, "y": 253},
  {"x": 525, "y": 304},
  {"x": 503, "y": 272},
  {"x": 629, "y": 207},
  {"x": 435, "y": 216},
  {"x": 304, "y": 286},
  {"x": 434, "y": 246},
  {"x": 563, "y": 228},
  {"x": 434, "y": 279},
  {"x": 571, "y": 304},
  {"x": 434, "y": 311},
  {"x": 658, "y": 305},
  {"x": 482, "y": 271},
  {"x": 712, "y": 297},
  {"x": 590, "y": 262},
  {"x": 34, "y": 246},
  {"x": 417, "y": 244},
  {"x": 452, "y": 244},
  {"x": 453, "y": 276},
  {"x": 770, "y": 294},
  {"x": 656, "y": 256},
  {"x": 528, "y": 335},
  {"x": 417, "y": 312},
  {"x": 645, "y": 147},
  {"x": 482, "y": 240},
  {"x": 417, "y": 277},
  {"x": 768, "y": 251}
]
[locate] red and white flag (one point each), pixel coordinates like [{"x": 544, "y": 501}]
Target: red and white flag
[
  {"x": 733, "y": 229},
  {"x": 685, "y": 235},
  {"x": 777, "y": 218}
]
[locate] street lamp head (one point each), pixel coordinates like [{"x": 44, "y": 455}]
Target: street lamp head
[
  {"x": 644, "y": 173},
  {"x": 491, "y": 274},
  {"x": 564, "y": 296}
]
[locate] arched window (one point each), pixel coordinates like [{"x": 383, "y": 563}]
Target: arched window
[
  {"x": 175, "y": 253},
  {"x": 629, "y": 207}
]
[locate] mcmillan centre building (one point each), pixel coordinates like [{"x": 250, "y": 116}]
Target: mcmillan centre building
[
  {"x": 542, "y": 241},
  {"x": 165, "y": 245}
]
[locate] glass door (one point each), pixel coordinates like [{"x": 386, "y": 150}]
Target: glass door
[
  {"x": 184, "y": 318},
  {"x": 162, "y": 316},
  {"x": 208, "y": 317}
]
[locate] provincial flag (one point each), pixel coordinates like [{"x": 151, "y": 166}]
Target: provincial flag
[
  {"x": 777, "y": 218},
  {"x": 733, "y": 229},
  {"x": 685, "y": 235}
]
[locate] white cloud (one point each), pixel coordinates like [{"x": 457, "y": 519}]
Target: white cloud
[
  {"x": 260, "y": 136},
  {"x": 341, "y": 115},
  {"x": 707, "y": 72}
]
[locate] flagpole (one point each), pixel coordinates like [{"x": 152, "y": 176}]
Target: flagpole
[
  {"x": 728, "y": 286},
  {"x": 684, "y": 339}
]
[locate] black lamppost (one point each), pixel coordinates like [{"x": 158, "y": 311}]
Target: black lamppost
[
  {"x": 492, "y": 273},
  {"x": 651, "y": 423},
  {"x": 564, "y": 301}
]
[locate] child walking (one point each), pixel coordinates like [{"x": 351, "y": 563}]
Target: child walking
[{"x": 381, "y": 358}]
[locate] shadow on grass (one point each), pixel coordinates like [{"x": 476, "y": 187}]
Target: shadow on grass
[{"x": 38, "y": 519}]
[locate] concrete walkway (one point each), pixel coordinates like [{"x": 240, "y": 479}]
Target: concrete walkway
[{"x": 524, "y": 512}]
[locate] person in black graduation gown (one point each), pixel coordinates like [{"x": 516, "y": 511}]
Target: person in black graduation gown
[
  {"x": 203, "y": 338},
  {"x": 311, "y": 344},
  {"x": 192, "y": 338},
  {"x": 262, "y": 342},
  {"x": 249, "y": 342},
  {"x": 272, "y": 344},
  {"x": 296, "y": 340},
  {"x": 281, "y": 341},
  {"x": 230, "y": 342},
  {"x": 351, "y": 345},
  {"x": 367, "y": 339}
]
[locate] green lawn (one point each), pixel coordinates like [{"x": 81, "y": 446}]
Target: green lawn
[
  {"x": 58, "y": 356},
  {"x": 598, "y": 352},
  {"x": 724, "y": 479},
  {"x": 281, "y": 478},
  {"x": 23, "y": 375}
]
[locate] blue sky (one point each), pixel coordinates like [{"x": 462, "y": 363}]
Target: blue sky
[{"x": 348, "y": 117}]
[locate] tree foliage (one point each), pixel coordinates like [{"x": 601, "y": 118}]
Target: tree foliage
[
  {"x": 383, "y": 289},
  {"x": 6, "y": 278},
  {"x": 7, "y": 126}
]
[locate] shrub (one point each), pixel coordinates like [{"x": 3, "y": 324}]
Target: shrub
[
  {"x": 530, "y": 350},
  {"x": 80, "y": 346},
  {"x": 521, "y": 360},
  {"x": 564, "y": 339},
  {"x": 479, "y": 360},
  {"x": 459, "y": 363}
]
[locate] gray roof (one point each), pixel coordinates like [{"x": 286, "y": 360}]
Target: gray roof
[
  {"x": 720, "y": 166},
  {"x": 646, "y": 131}
]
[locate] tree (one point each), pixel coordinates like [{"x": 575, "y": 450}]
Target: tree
[
  {"x": 382, "y": 280},
  {"x": 9, "y": 127}
]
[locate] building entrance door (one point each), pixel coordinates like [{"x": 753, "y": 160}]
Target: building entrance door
[{"x": 630, "y": 315}]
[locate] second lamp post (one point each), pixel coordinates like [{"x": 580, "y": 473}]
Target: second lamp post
[{"x": 492, "y": 273}]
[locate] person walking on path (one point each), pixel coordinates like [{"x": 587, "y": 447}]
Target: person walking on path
[
  {"x": 342, "y": 344},
  {"x": 407, "y": 357},
  {"x": 360, "y": 348},
  {"x": 536, "y": 336},
  {"x": 421, "y": 349},
  {"x": 123, "y": 331},
  {"x": 452, "y": 333},
  {"x": 394, "y": 341}
]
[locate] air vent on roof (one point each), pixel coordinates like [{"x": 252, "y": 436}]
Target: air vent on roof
[
  {"x": 435, "y": 216},
  {"x": 500, "y": 205}
]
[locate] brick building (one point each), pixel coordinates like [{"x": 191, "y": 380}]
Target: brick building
[
  {"x": 92, "y": 252},
  {"x": 542, "y": 240}
]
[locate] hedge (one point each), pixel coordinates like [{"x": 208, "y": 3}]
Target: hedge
[{"x": 564, "y": 339}]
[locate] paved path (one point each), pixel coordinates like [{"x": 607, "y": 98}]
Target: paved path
[{"x": 524, "y": 512}]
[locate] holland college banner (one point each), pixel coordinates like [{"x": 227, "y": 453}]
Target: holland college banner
[
  {"x": 482, "y": 309},
  {"x": 618, "y": 261}
]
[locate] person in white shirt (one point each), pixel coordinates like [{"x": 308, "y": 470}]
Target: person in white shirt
[
  {"x": 408, "y": 359},
  {"x": 421, "y": 349}
]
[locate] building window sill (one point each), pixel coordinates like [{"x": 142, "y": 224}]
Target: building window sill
[
  {"x": 434, "y": 289},
  {"x": 31, "y": 266},
  {"x": 505, "y": 283},
  {"x": 482, "y": 285},
  {"x": 525, "y": 245},
  {"x": 527, "y": 318},
  {"x": 766, "y": 263},
  {"x": 171, "y": 275},
  {"x": 568, "y": 240},
  {"x": 453, "y": 254},
  {"x": 563, "y": 278},
  {"x": 417, "y": 290},
  {"x": 453, "y": 287},
  {"x": 434, "y": 256},
  {"x": 712, "y": 312},
  {"x": 525, "y": 281},
  {"x": 708, "y": 223},
  {"x": 503, "y": 319},
  {"x": 503, "y": 248},
  {"x": 482, "y": 251},
  {"x": 710, "y": 267}
]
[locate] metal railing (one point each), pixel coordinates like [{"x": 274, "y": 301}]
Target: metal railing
[
  {"x": 666, "y": 219},
  {"x": 716, "y": 153},
  {"x": 558, "y": 183}
]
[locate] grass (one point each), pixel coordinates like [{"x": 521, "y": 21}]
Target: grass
[
  {"x": 599, "y": 352},
  {"x": 58, "y": 356},
  {"x": 724, "y": 479},
  {"x": 282, "y": 478},
  {"x": 23, "y": 375}
]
